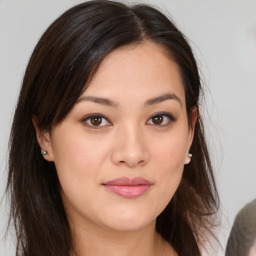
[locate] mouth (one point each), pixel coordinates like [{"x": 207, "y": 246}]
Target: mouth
[{"x": 128, "y": 187}]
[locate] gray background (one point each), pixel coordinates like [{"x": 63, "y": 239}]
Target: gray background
[{"x": 223, "y": 36}]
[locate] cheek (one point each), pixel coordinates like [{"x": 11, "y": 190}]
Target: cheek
[
  {"x": 79, "y": 159},
  {"x": 170, "y": 152},
  {"x": 76, "y": 162},
  {"x": 170, "y": 160},
  {"x": 169, "y": 155},
  {"x": 77, "y": 153}
]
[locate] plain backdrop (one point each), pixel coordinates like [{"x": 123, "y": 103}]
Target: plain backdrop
[{"x": 223, "y": 37}]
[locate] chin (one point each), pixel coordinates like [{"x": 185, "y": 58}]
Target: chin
[
  {"x": 129, "y": 221},
  {"x": 128, "y": 226}
]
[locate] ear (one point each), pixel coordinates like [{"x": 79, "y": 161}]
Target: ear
[
  {"x": 191, "y": 134},
  {"x": 44, "y": 141},
  {"x": 194, "y": 114}
]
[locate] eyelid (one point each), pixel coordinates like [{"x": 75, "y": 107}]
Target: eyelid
[
  {"x": 87, "y": 117},
  {"x": 166, "y": 114}
]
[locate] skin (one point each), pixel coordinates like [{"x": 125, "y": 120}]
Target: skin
[
  {"x": 252, "y": 251},
  {"x": 128, "y": 142}
]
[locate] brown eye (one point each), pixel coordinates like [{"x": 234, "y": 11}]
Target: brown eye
[
  {"x": 96, "y": 121},
  {"x": 157, "y": 120},
  {"x": 161, "y": 119}
]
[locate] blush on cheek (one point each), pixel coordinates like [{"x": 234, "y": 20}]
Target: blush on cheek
[{"x": 171, "y": 154}]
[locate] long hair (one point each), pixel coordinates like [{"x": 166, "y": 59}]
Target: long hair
[{"x": 61, "y": 67}]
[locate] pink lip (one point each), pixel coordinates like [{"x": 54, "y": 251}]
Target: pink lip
[{"x": 128, "y": 187}]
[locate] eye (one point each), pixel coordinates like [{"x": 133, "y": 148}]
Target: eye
[
  {"x": 96, "y": 121},
  {"x": 161, "y": 119}
]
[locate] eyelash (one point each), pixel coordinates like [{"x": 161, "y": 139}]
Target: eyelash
[
  {"x": 87, "y": 119},
  {"x": 170, "y": 118}
]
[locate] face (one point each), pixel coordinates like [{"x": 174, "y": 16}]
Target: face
[{"x": 121, "y": 151}]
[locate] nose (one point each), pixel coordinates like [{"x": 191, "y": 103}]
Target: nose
[{"x": 130, "y": 148}]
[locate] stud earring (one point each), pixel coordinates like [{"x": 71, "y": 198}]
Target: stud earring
[
  {"x": 188, "y": 158},
  {"x": 44, "y": 152}
]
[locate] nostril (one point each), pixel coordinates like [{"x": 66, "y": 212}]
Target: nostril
[
  {"x": 130, "y": 155},
  {"x": 131, "y": 163}
]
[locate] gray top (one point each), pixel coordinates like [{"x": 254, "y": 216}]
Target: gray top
[{"x": 243, "y": 233}]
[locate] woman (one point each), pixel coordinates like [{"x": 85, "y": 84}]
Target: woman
[{"x": 101, "y": 142}]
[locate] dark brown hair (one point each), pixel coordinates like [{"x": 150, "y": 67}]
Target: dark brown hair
[{"x": 65, "y": 60}]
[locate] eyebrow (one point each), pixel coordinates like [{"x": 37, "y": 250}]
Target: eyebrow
[
  {"x": 99, "y": 100},
  {"x": 108, "y": 102},
  {"x": 161, "y": 98}
]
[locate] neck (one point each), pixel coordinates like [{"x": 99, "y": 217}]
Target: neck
[{"x": 95, "y": 241}]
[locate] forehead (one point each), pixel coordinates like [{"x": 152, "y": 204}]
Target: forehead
[{"x": 137, "y": 71}]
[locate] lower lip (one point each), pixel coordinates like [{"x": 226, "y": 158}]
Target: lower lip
[{"x": 128, "y": 191}]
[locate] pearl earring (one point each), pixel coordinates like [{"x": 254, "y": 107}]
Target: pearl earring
[
  {"x": 188, "y": 158},
  {"x": 44, "y": 152}
]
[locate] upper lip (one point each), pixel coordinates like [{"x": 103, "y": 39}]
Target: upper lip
[{"x": 126, "y": 181}]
